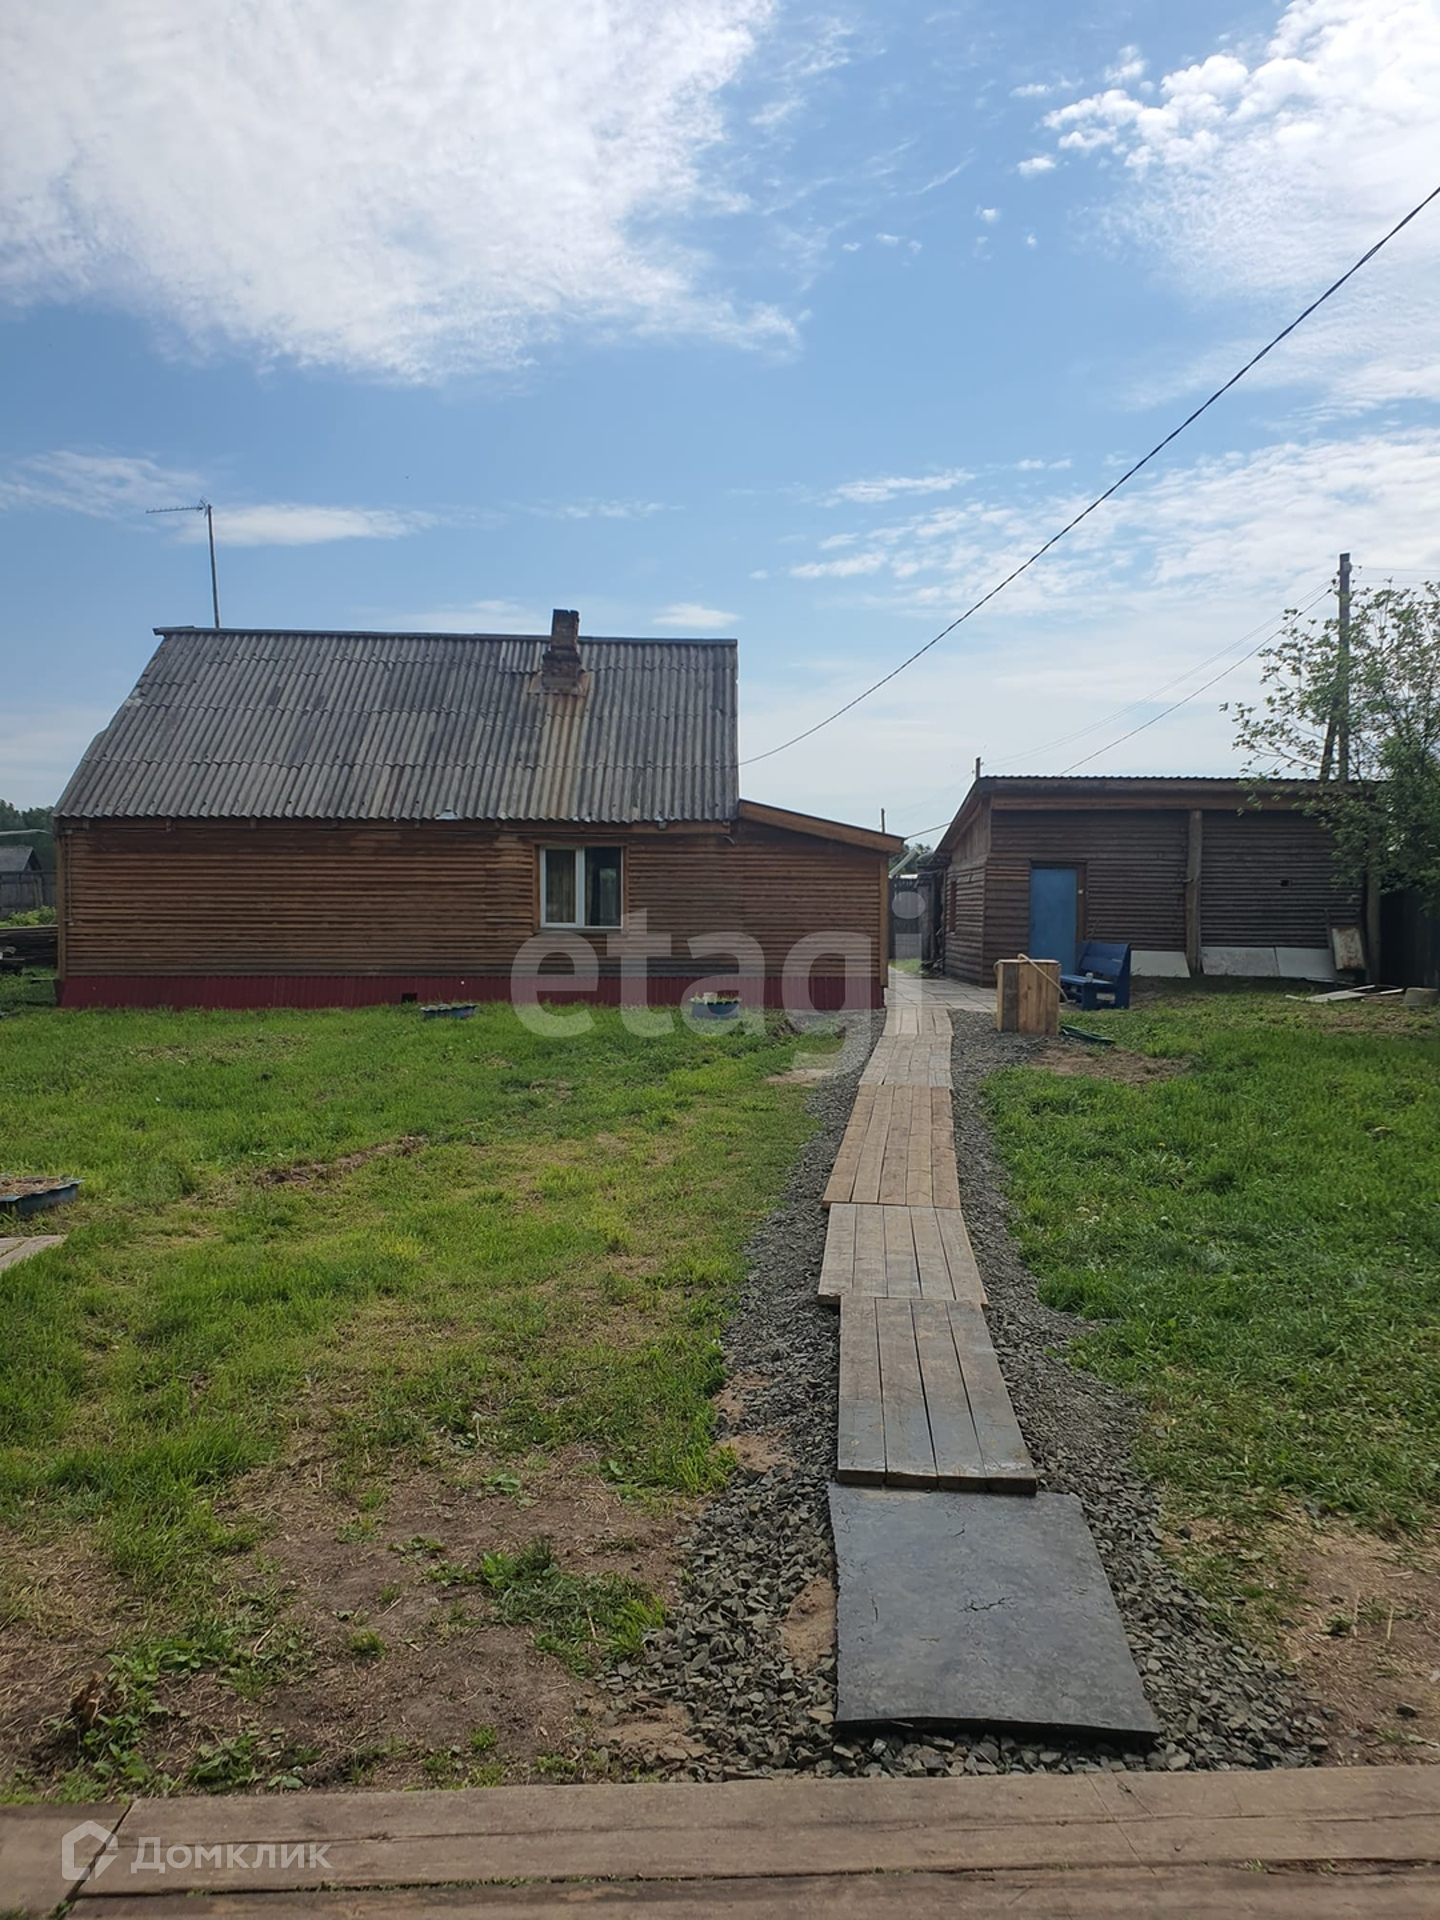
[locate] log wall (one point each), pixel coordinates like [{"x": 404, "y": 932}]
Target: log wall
[
  {"x": 1266, "y": 880},
  {"x": 439, "y": 901}
]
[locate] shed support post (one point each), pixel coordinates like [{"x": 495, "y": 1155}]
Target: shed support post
[
  {"x": 1194, "y": 853},
  {"x": 1372, "y": 924}
]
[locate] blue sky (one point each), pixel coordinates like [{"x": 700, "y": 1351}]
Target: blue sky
[{"x": 795, "y": 323}]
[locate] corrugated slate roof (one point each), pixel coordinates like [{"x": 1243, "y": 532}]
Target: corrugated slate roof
[{"x": 225, "y": 724}]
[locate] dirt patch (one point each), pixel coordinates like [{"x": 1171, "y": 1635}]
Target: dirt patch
[
  {"x": 757, "y": 1453},
  {"x": 402, "y": 1675},
  {"x": 1105, "y": 1063},
  {"x": 799, "y": 1077},
  {"x": 663, "y": 1733},
  {"x": 1366, "y": 1641},
  {"x": 808, "y": 1629},
  {"x": 58, "y": 1622},
  {"x": 731, "y": 1400},
  {"x": 315, "y": 1172}
]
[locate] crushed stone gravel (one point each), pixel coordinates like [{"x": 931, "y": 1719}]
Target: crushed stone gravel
[{"x": 754, "y": 1709}]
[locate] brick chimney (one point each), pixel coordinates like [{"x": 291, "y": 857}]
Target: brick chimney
[{"x": 560, "y": 663}]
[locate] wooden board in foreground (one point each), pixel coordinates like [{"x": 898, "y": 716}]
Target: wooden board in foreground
[
  {"x": 1106, "y": 1893},
  {"x": 754, "y": 1829}
]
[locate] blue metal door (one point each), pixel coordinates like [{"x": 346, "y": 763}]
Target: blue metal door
[{"x": 1054, "y": 913}]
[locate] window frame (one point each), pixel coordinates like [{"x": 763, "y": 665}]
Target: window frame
[{"x": 581, "y": 851}]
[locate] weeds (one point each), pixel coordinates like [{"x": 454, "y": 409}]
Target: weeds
[
  {"x": 112, "y": 1717},
  {"x": 586, "y": 1620},
  {"x": 250, "y": 1760}
]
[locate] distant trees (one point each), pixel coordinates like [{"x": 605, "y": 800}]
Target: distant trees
[
  {"x": 1386, "y": 817},
  {"x": 11, "y": 816}
]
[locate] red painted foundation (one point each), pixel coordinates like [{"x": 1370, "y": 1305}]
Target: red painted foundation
[{"x": 827, "y": 992}]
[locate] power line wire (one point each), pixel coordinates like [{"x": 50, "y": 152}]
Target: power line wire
[
  {"x": 1270, "y": 629},
  {"x": 1277, "y": 628},
  {"x": 1109, "y": 492},
  {"x": 1197, "y": 666},
  {"x": 1131, "y": 706}
]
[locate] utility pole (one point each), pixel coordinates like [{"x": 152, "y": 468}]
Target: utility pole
[
  {"x": 1342, "y": 726},
  {"x": 202, "y": 506}
]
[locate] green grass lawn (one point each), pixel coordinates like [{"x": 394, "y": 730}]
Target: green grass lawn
[
  {"x": 1258, "y": 1239},
  {"x": 411, "y": 1235}
]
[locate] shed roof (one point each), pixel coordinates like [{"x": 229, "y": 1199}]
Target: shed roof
[
  {"x": 1119, "y": 792},
  {"x": 232, "y": 724},
  {"x": 18, "y": 859}
]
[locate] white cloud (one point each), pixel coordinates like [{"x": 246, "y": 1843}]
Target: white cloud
[
  {"x": 1127, "y": 68},
  {"x": 106, "y": 486},
  {"x": 846, "y": 569},
  {"x": 988, "y": 214},
  {"x": 1037, "y": 163},
  {"x": 475, "y": 616},
  {"x": 1169, "y": 574},
  {"x": 1033, "y": 90},
  {"x": 865, "y": 493},
  {"x": 296, "y": 525},
  {"x": 686, "y": 614},
  {"x": 400, "y": 190},
  {"x": 124, "y": 487},
  {"x": 1261, "y": 518},
  {"x": 888, "y": 239},
  {"x": 600, "y": 510},
  {"x": 1267, "y": 170}
]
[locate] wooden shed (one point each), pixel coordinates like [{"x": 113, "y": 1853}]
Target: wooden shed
[
  {"x": 1195, "y": 875},
  {"x": 24, "y": 883},
  {"x": 319, "y": 819}
]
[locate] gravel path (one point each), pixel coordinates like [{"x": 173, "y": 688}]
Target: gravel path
[{"x": 758, "y": 1708}]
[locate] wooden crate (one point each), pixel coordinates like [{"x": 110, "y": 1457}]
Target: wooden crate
[{"x": 1027, "y": 995}]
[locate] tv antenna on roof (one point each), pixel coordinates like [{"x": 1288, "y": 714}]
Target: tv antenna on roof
[{"x": 201, "y": 506}]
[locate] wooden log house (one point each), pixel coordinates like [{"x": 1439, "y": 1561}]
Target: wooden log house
[
  {"x": 321, "y": 819},
  {"x": 1197, "y": 876}
]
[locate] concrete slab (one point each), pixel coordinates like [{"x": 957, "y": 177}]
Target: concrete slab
[
  {"x": 964, "y": 1608},
  {"x": 1240, "y": 963},
  {"x": 1305, "y": 963},
  {"x": 1159, "y": 963}
]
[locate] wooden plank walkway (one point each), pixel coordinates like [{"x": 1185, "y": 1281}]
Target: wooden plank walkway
[
  {"x": 922, "y": 1060},
  {"x": 899, "y": 1253},
  {"x": 904, "y": 1020},
  {"x": 13, "y": 1251},
  {"x": 923, "y": 1402},
  {"x": 898, "y": 1150},
  {"x": 1079, "y": 1846}
]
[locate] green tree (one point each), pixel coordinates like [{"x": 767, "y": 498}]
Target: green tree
[{"x": 1386, "y": 817}]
